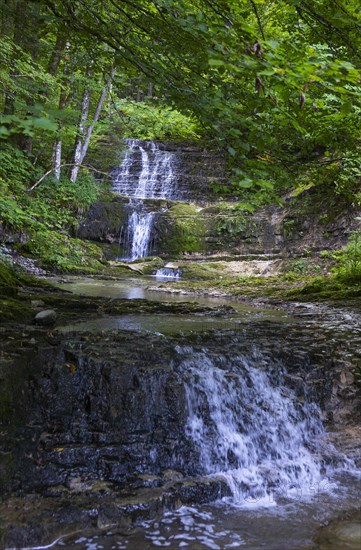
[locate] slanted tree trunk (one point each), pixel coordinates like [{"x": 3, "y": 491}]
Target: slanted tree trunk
[{"x": 84, "y": 134}]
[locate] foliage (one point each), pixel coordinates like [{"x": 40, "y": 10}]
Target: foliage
[
  {"x": 55, "y": 203},
  {"x": 233, "y": 220},
  {"x": 62, "y": 252},
  {"x": 348, "y": 259},
  {"x": 153, "y": 121},
  {"x": 52, "y": 205},
  {"x": 300, "y": 266},
  {"x": 23, "y": 79}
]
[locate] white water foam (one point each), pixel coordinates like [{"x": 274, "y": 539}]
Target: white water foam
[
  {"x": 168, "y": 273},
  {"x": 253, "y": 431},
  {"x": 146, "y": 172}
]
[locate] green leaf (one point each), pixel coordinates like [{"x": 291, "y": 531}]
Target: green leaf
[
  {"x": 213, "y": 62},
  {"x": 246, "y": 183},
  {"x": 346, "y": 107}
]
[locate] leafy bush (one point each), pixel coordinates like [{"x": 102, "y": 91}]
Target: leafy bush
[
  {"x": 148, "y": 121},
  {"x": 56, "y": 203},
  {"x": 53, "y": 204},
  {"x": 348, "y": 267},
  {"x": 233, "y": 220}
]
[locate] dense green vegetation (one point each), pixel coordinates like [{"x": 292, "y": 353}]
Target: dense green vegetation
[{"x": 274, "y": 85}]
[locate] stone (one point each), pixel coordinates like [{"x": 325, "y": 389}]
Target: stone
[
  {"x": 172, "y": 475},
  {"x": 341, "y": 534},
  {"x": 37, "y": 303},
  {"x": 46, "y": 317}
]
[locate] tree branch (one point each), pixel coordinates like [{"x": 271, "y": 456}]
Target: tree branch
[
  {"x": 62, "y": 166},
  {"x": 260, "y": 26}
]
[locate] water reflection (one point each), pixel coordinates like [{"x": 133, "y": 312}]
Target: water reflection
[{"x": 134, "y": 293}]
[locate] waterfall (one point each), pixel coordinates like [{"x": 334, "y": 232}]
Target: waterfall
[
  {"x": 250, "y": 429},
  {"x": 139, "y": 233},
  {"x": 147, "y": 172},
  {"x": 168, "y": 273}
]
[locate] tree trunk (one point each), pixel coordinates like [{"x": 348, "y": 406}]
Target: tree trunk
[
  {"x": 54, "y": 63},
  {"x": 81, "y": 147},
  {"x": 81, "y": 131},
  {"x": 57, "y": 158},
  {"x": 58, "y": 52}
]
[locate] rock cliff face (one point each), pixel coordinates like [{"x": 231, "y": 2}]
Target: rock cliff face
[
  {"x": 198, "y": 171},
  {"x": 97, "y": 422},
  {"x": 182, "y": 228}
]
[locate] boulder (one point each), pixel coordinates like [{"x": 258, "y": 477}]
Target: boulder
[{"x": 46, "y": 317}]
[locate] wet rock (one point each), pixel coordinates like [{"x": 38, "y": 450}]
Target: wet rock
[
  {"x": 202, "y": 491},
  {"x": 37, "y": 303},
  {"x": 172, "y": 475},
  {"x": 46, "y": 317},
  {"x": 102, "y": 416},
  {"x": 342, "y": 533}
]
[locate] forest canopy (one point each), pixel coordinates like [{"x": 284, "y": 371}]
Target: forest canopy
[{"x": 274, "y": 84}]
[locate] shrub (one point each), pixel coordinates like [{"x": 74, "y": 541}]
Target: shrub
[{"x": 348, "y": 267}]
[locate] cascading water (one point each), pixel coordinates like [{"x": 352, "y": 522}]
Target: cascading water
[
  {"x": 250, "y": 429},
  {"x": 139, "y": 233},
  {"x": 147, "y": 172},
  {"x": 168, "y": 273}
]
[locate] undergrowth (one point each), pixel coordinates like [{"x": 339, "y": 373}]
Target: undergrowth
[{"x": 49, "y": 215}]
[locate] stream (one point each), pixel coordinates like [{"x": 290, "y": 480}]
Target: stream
[{"x": 245, "y": 423}]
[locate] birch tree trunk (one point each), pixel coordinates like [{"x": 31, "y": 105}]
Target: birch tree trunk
[
  {"x": 57, "y": 158},
  {"x": 84, "y": 113},
  {"x": 81, "y": 147},
  {"x": 60, "y": 47}
]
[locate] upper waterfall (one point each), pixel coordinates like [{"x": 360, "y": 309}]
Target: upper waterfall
[{"x": 147, "y": 172}]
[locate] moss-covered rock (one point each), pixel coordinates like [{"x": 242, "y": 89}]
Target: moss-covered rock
[
  {"x": 64, "y": 253},
  {"x": 104, "y": 221},
  {"x": 181, "y": 230},
  {"x": 9, "y": 279},
  {"x": 148, "y": 266},
  {"x": 199, "y": 272},
  {"x": 12, "y": 309}
]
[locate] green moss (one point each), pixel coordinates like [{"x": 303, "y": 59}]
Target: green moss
[
  {"x": 182, "y": 230},
  {"x": 14, "y": 310},
  {"x": 8, "y": 277},
  {"x": 113, "y": 213},
  {"x": 63, "y": 252},
  {"x": 149, "y": 266},
  {"x": 198, "y": 272},
  {"x": 325, "y": 288}
]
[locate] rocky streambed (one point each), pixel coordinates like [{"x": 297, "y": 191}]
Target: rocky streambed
[{"x": 126, "y": 410}]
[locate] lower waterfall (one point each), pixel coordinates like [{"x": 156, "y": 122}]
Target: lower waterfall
[
  {"x": 140, "y": 226},
  {"x": 252, "y": 430}
]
